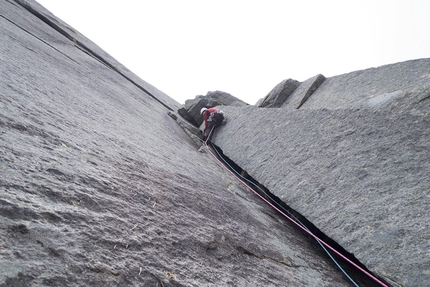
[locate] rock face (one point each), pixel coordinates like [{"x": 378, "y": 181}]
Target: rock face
[
  {"x": 101, "y": 187},
  {"x": 357, "y": 90},
  {"x": 354, "y": 160},
  {"x": 279, "y": 94}
]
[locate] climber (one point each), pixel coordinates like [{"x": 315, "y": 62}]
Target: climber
[{"x": 212, "y": 118}]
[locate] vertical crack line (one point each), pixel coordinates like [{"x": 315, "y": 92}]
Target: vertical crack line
[
  {"x": 301, "y": 220},
  {"x": 38, "y": 38},
  {"x": 88, "y": 51}
]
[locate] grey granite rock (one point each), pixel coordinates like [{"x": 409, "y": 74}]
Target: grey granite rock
[
  {"x": 101, "y": 187},
  {"x": 354, "y": 90},
  {"x": 303, "y": 92},
  {"x": 359, "y": 170}
]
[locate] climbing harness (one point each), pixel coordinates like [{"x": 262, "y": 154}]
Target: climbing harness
[{"x": 289, "y": 216}]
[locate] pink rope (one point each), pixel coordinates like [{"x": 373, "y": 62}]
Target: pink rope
[
  {"x": 207, "y": 139},
  {"x": 289, "y": 218}
]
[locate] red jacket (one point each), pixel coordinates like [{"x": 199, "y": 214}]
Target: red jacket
[{"x": 207, "y": 114}]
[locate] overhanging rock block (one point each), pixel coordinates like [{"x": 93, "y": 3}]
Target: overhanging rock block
[
  {"x": 191, "y": 110},
  {"x": 303, "y": 92},
  {"x": 279, "y": 94}
]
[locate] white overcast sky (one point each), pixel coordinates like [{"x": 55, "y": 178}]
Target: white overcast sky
[{"x": 245, "y": 47}]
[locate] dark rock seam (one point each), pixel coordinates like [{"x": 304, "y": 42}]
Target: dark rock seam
[
  {"x": 87, "y": 50},
  {"x": 351, "y": 270}
]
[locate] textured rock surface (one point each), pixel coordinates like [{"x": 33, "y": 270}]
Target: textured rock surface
[
  {"x": 359, "y": 171},
  {"x": 279, "y": 94},
  {"x": 101, "y": 187},
  {"x": 193, "y": 132},
  {"x": 354, "y": 90}
]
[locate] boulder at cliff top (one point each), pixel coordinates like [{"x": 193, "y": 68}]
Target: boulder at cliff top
[
  {"x": 357, "y": 170},
  {"x": 303, "y": 92},
  {"x": 100, "y": 187},
  {"x": 279, "y": 94}
]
